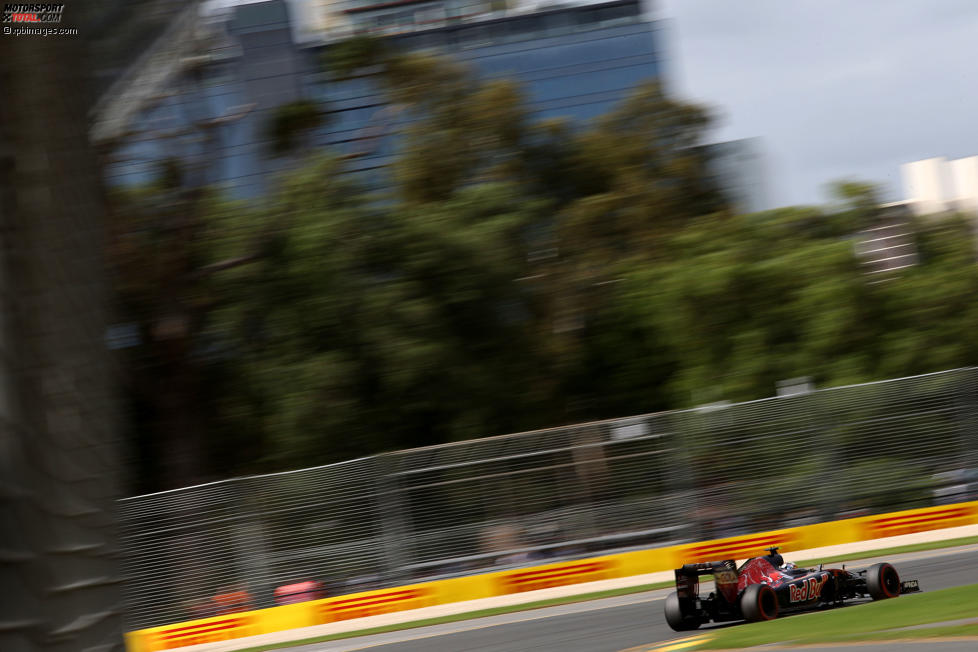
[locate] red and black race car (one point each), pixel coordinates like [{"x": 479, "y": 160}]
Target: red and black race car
[{"x": 764, "y": 587}]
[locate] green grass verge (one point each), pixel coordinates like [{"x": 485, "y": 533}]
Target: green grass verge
[
  {"x": 951, "y": 631},
  {"x": 871, "y": 621},
  {"x": 584, "y": 597}
]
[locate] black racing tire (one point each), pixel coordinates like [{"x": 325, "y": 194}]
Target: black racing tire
[
  {"x": 882, "y": 581},
  {"x": 759, "y": 603},
  {"x": 675, "y": 617}
]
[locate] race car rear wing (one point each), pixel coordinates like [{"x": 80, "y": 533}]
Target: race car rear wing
[{"x": 724, "y": 575}]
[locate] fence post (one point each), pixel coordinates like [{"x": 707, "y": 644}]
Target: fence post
[
  {"x": 588, "y": 462},
  {"x": 394, "y": 532},
  {"x": 682, "y": 472},
  {"x": 249, "y": 543},
  {"x": 822, "y": 418},
  {"x": 967, "y": 411}
]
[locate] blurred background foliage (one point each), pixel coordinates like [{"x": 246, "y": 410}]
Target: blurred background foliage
[
  {"x": 290, "y": 122},
  {"x": 517, "y": 275}
]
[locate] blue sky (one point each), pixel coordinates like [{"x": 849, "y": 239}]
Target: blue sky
[{"x": 835, "y": 88}]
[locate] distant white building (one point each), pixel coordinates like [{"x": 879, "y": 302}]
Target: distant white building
[
  {"x": 936, "y": 185},
  {"x": 888, "y": 247},
  {"x": 964, "y": 184}
]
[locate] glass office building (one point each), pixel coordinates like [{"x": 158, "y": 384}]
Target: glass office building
[
  {"x": 574, "y": 61},
  {"x": 229, "y": 72}
]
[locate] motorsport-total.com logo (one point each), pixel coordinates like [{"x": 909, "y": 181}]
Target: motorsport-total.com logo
[
  {"x": 34, "y": 19},
  {"x": 31, "y": 13}
]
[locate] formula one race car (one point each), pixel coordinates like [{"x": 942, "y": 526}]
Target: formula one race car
[{"x": 764, "y": 587}]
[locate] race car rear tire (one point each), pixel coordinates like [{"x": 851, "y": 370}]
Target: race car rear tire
[
  {"x": 675, "y": 617},
  {"x": 758, "y": 603},
  {"x": 882, "y": 581}
]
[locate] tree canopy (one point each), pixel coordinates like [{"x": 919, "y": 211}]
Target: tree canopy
[{"x": 519, "y": 274}]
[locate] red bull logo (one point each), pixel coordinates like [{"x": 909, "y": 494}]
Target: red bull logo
[{"x": 810, "y": 589}]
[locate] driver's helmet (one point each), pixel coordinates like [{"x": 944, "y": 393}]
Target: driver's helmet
[{"x": 790, "y": 566}]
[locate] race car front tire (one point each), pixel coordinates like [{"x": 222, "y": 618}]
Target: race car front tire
[
  {"x": 759, "y": 602},
  {"x": 675, "y": 617},
  {"x": 882, "y": 581}
]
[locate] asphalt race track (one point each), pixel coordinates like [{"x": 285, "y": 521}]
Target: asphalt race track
[{"x": 616, "y": 624}]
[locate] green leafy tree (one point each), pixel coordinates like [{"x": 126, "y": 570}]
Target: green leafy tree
[
  {"x": 931, "y": 310},
  {"x": 290, "y": 122},
  {"x": 516, "y": 275},
  {"x": 375, "y": 333},
  {"x": 746, "y": 301},
  {"x": 859, "y": 206}
]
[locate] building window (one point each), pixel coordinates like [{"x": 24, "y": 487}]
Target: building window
[
  {"x": 522, "y": 27},
  {"x": 474, "y": 37},
  {"x": 558, "y": 23},
  {"x": 429, "y": 15}
]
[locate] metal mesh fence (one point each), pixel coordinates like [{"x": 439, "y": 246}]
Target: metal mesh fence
[{"x": 555, "y": 494}]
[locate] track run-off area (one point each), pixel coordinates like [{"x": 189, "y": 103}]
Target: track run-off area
[{"x": 630, "y": 623}]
